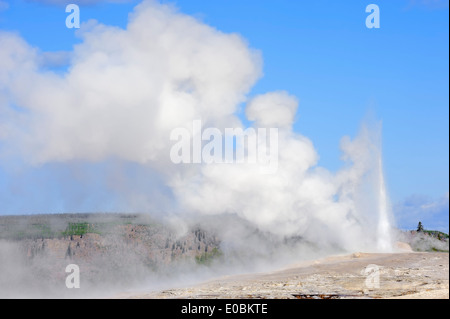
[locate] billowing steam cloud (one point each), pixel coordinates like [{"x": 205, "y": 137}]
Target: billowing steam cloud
[{"x": 126, "y": 90}]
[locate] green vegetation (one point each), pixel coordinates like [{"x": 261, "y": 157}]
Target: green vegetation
[
  {"x": 439, "y": 250},
  {"x": 435, "y": 233},
  {"x": 63, "y": 225},
  {"x": 429, "y": 240},
  {"x": 78, "y": 229},
  {"x": 207, "y": 258}
]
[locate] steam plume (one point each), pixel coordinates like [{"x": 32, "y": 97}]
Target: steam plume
[{"x": 126, "y": 89}]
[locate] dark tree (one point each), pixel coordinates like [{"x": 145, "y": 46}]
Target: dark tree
[
  {"x": 420, "y": 227},
  {"x": 69, "y": 252}
]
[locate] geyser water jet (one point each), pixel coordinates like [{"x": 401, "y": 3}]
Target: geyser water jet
[{"x": 383, "y": 232}]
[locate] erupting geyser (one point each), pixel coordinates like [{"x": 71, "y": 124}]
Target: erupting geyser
[{"x": 384, "y": 238}]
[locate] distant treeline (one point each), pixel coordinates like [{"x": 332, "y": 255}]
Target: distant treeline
[{"x": 62, "y": 225}]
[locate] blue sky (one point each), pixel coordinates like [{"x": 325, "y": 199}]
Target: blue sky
[{"x": 322, "y": 52}]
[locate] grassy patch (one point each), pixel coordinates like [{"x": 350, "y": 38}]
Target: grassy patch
[
  {"x": 79, "y": 229},
  {"x": 206, "y": 258}
]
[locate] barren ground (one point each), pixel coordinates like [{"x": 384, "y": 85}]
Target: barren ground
[{"x": 401, "y": 275}]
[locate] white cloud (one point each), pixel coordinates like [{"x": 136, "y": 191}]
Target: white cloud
[
  {"x": 274, "y": 109},
  {"x": 125, "y": 90},
  {"x": 433, "y": 213}
]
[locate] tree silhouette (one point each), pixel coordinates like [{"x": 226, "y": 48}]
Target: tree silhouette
[{"x": 420, "y": 227}]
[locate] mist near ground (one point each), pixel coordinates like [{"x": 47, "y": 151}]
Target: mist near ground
[
  {"x": 35, "y": 251},
  {"x": 125, "y": 254}
]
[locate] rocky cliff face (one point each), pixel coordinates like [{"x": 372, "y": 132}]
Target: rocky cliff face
[
  {"x": 154, "y": 246},
  {"x": 112, "y": 249}
]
